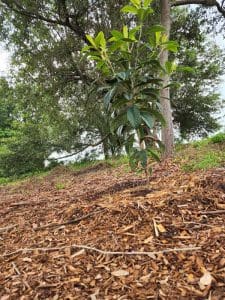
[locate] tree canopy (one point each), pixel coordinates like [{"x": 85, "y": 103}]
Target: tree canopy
[{"x": 53, "y": 86}]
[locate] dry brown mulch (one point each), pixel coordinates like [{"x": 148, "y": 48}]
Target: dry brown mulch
[{"x": 42, "y": 222}]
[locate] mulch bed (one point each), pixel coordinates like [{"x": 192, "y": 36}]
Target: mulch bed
[{"x": 107, "y": 234}]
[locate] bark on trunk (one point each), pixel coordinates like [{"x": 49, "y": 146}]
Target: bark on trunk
[{"x": 167, "y": 131}]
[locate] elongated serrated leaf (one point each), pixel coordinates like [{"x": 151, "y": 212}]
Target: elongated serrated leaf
[
  {"x": 148, "y": 119},
  {"x": 134, "y": 116},
  {"x": 108, "y": 96},
  {"x": 129, "y": 9}
]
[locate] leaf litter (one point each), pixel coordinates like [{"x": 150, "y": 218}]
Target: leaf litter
[{"x": 110, "y": 235}]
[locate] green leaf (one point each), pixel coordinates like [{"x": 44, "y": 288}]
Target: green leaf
[
  {"x": 115, "y": 45},
  {"x": 170, "y": 67},
  {"x": 134, "y": 116},
  {"x": 151, "y": 92},
  {"x": 85, "y": 48},
  {"x": 157, "y": 37},
  {"x": 157, "y": 28},
  {"x": 129, "y": 143},
  {"x": 146, "y": 3},
  {"x": 91, "y": 40},
  {"x": 123, "y": 75},
  {"x": 185, "y": 69},
  {"x": 175, "y": 85},
  {"x": 154, "y": 155},
  {"x": 158, "y": 116},
  {"x": 148, "y": 119},
  {"x": 171, "y": 46},
  {"x": 142, "y": 156},
  {"x": 136, "y": 3},
  {"x": 100, "y": 40},
  {"x": 125, "y": 31},
  {"x": 129, "y": 9},
  {"x": 117, "y": 35},
  {"x": 133, "y": 32},
  {"x": 108, "y": 96}
]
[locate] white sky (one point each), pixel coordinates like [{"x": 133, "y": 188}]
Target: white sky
[{"x": 4, "y": 61}]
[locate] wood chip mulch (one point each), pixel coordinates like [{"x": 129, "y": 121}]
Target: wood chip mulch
[{"x": 106, "y": 234}]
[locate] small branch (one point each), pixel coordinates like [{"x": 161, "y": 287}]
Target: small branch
[
  {"x": 16, "y": 269},
  {"x": 69, "y": 222},
  {"x": 185, "y": 249},
  {"x": 8, "y": 227},
  {"x": 21, "y": 204},
  {"x": 200, "y": 2},
  {"x": 213, "y": 212},
  {"x": 84, "y": 148},
  {"x": 207, "y": 3},
  {"x": 155, "y": 228}
]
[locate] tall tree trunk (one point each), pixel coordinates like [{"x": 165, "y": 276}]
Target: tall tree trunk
[{"x": 167, "y": 131}]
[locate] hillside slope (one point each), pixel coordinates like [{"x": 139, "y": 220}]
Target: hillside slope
[{"x": 59, "y": 235}]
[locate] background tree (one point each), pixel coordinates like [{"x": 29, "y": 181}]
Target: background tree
[
  {"x": 196, "y": 101},
  {"x": 46, "y": 38},
  {"x": 165, "y": 12}
]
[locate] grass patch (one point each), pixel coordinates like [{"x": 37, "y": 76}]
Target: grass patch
[
  {"x": 60, "y": 186},
  {"x": 19, "y": 179},
  {"x": 218, "y": 138},
  {"x": 205, "y": 161},
  {"x": 78, "y": 166}
]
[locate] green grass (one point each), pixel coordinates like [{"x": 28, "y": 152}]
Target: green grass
[
  {"x": 204, "y": 154},
  {"x": 60, "y": 186},
  {"x": 112, "y": 162},
  {"x": 219, "y": 138},
  {"x": 24, "y": 177},
  {"x": 205, "y": 161},
  {"x": 200, "y": 155}
]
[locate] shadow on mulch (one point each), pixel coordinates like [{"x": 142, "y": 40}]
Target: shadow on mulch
[
  {"x": 121, "y": 186},
  {"x": 92, "y": 169}
]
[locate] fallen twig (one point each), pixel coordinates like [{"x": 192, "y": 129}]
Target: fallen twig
[
  {"x": 213, "y": 212},
  {"x": 8, "y": 227},
  {"x": 24, "y": 203},
  {"x": 69, "y": 222},
  {"x": 155, "y": 228},
  {"x": 15, "y": 268},
  {"x": 104, "y": 252}
]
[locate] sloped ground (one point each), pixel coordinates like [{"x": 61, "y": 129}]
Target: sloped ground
[{"x": 176, "y": 222}]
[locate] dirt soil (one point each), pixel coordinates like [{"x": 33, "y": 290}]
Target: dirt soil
[{"x": 106, "y": 234}]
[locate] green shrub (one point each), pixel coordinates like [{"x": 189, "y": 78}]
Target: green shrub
[
  {"x": 24, "y": 153},
  {"x": 218, "y": 138}
]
